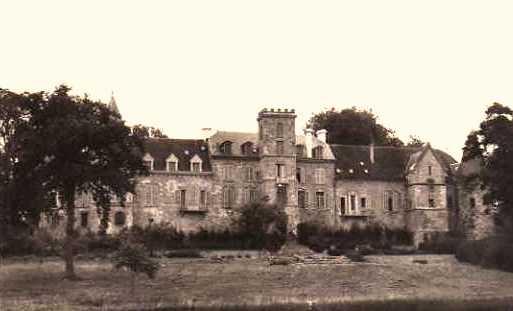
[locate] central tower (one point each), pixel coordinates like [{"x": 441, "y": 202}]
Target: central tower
[{"x": 277, "y": 142}]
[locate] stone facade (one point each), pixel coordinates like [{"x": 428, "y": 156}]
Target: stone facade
[{"x": 203, "y": 183}]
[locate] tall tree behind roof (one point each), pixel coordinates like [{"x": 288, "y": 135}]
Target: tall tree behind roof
[{"x": 353, "y": 127}]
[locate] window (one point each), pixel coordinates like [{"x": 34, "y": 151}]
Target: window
[
  {"x": 226, "y": 148},
  {"x": 301, "y": 199},
  {"x": 119, "y": 219},
  {"x": 472, "y": 202},
  {"x": 388, "y": 201},
  {"x": 150, "y": 195},
  {"x": 252, "y": 195},
  {"x": 430, "y": 171},
  {"x": 203, "y": 198},
  {"x": 431, "y": 202},
  {"x": 342, "y": 205},
  {"x": 196, "y": 167},
  {"x": 363, "y": 202},
  {"x": 317, "y": 152},
  {"x": 148, "y": 161},
  {"x": 246, "y": 148},
  {"x": 352, "y": 203},
  {"x": 249, "y": 174},
  {"x": 84, "y": 217},
  {"x": 298, "y": 175},
  {"x": 228, "y": 172},
  {"x": 300, "y": 151},
  {"x": 280, "y": 170},
  {"x": 171, "y": 166},
  {"x": 431, "y": 197},
  {"x": 319, "y": 176},
  {"x": 319, "y": 198},
  {"x": 228, "y": 197},
  {"x": 260, "y": 131},
  {"x": 281, "y": 195},
  {"x": 279, "y": 130},
  {"x": 279, "y": 147},
  {"x": 172, "y": 163}
]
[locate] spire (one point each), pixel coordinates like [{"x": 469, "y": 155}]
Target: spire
[{"x": 112, "y": 104}]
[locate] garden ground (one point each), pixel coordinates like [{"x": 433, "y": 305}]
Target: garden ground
[{"x": 27, "y": 284}]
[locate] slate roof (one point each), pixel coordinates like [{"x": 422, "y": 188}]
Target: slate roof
[
  {"x": 237, "y": 139},
  {"x": 389, "y": 162},
  {"x": 184, "y": 149}
]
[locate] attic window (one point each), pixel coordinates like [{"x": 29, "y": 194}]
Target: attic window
[
  {"x": 196, "y": 164},
  {"x": 226, "y": 148},
  {"x": 172, "y": 163},
  {"x": 430, "y": 170},
  {"x": 148, "y": 161},
  {"x": 246, "y": 148}
]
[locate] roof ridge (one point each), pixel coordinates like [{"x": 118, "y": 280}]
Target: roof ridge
[{"x": 379, "y": 147}]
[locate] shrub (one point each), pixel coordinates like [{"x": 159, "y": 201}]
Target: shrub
[
  {"x": 132, "y": 256},
  {"x": 493, "y": 252},
  {"x": 265, "y": 224},
  {"x": 371, "y": 238},
  {"x": 440, "y": 243}
]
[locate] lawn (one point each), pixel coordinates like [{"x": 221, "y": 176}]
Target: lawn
[{"x": 383, "y": 281}]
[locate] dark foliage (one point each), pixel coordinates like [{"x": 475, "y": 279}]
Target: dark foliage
[
  {"x": 440, "y": 243},
  {"x": 132, "y": 256},
  {"x": 367, "y": 239},
  {"x": 353, "y": 127},
  {"x": 265, "y": 224},
  {"x": 492, "y": 146},
  {"x": 494, "y": 253}
]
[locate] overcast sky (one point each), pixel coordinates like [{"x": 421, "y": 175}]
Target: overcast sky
[{"x": 428, "y": 68}]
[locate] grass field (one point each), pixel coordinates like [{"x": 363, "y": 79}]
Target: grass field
[{"x": 382, "y": 283}]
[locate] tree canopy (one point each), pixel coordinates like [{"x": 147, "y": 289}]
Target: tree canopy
[
  {"x": 73, "y": 145},
  {"x": 353, "y": 127},
  {"x": 492, "y": 145}
]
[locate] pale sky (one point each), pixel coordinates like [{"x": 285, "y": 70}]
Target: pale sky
[{"x": 428, "y": 68}]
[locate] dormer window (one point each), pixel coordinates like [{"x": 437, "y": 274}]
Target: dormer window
[
  {"x": 226, "y": 148},
  {"x": 172, "y": 163},
  {"x": 317, "y": 152},
  {"x": 148, "y": 161},
  {"x": 196, "y": 164},
  {"x": 247, "y": 148}
]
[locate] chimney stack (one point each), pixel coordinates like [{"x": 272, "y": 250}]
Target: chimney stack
[
  {"x": 309, "y": 142},
  {"x": 207, "y": 132},
  {"x": 321, "y": 135}
]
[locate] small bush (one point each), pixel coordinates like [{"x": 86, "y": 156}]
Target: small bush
[{"x": 440, "y": 243}]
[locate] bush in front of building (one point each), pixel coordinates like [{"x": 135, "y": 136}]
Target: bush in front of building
[
  {"x": 440, "y": 243},
  {"x": 264, "y": 224},
  {"x": 494, "y": 252},
  {"x": 370, "y": 238}
]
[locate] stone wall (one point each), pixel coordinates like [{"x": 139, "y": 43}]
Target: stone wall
[
  {"x": 477, "y": 219},
  {"x": 376, "y": 194},
  {"x": 308, "y": 183}
]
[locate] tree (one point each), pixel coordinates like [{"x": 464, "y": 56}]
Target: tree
[
  {"x": 415, "y": 141},
  {"x": 353, "y": 127},
  {"x": 265, "y": 223},
  {"x": 492, "y": 145},
  {"x": 147, "y": 131},
  {"x": 18, "y": 211},
  {"x": 72, "y": 145}
]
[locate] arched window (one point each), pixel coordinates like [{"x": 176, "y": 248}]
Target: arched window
[
  {"x": 317, "y": 152},
  {"x": 119, "y": 219},
  {"x": 226, "y": 147},
  {"x": 246, "y": 148}
]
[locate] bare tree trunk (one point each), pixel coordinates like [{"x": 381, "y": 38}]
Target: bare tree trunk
[{"x": 69, "y": 197}]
